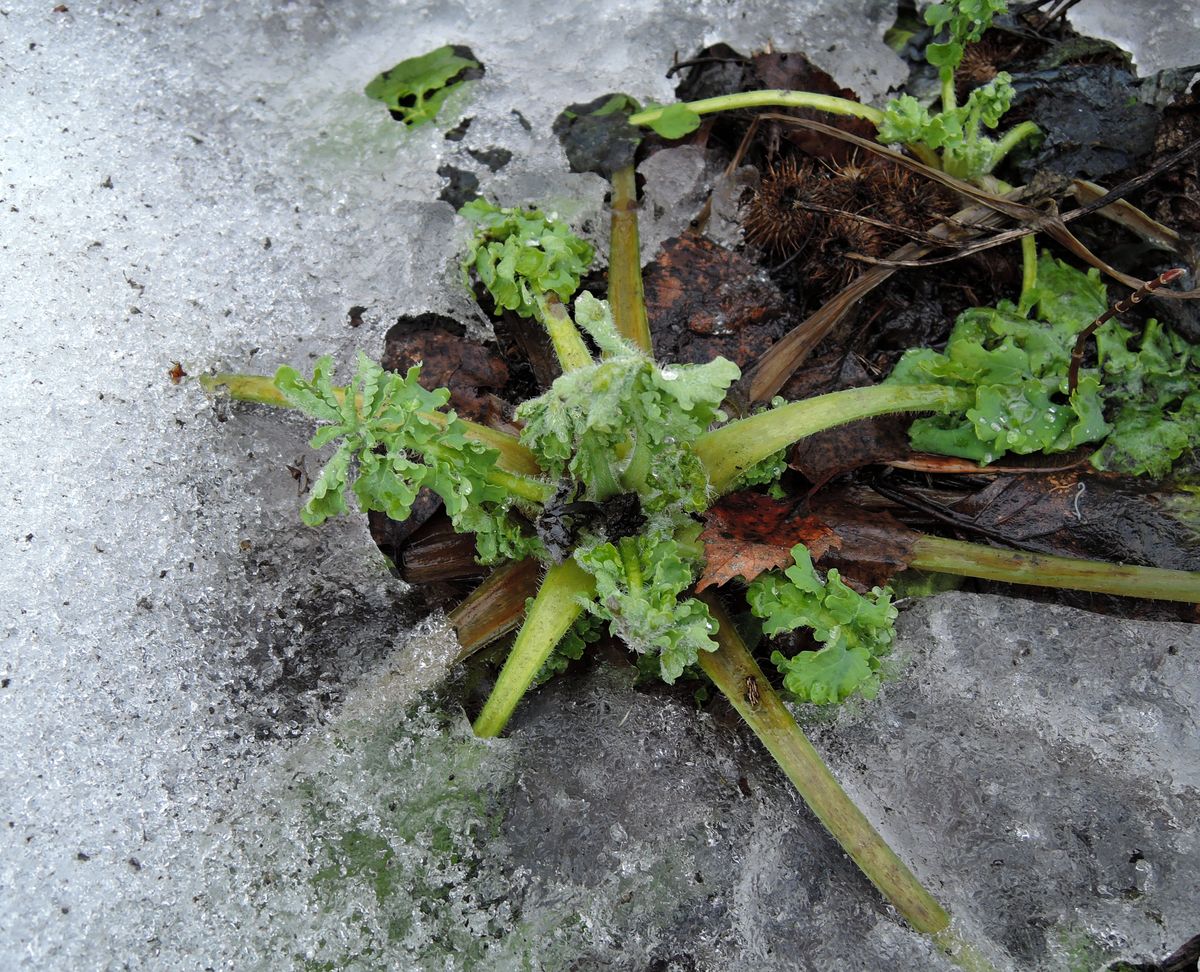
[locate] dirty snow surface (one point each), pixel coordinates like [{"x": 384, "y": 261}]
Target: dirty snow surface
[{"x": 222, "y": 744}]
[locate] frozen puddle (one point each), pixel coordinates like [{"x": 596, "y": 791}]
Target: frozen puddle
[{"x": 216, "y": 755}]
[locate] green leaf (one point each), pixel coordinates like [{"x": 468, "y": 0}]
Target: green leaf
[
  {"x": 828, "y": 676},
  {"x": 316, "y": 397},
  {"x": 590, "y": 414},
  {"x": 944, "y": 55},
  {"x": 521, "y": 254},
  {"x": 856, "y": 629},
  {"x": 938, "y": 14},
  {"x": 1137, "y": 403},
  {"x": 675, "y": 121},
  {"x": 395, "y": 436},
  {"x": 327, "y": 496},
  {"x": 417, "y": 88},
  {"x": 638, "y": 583},
  {"x": 905, "y": 120}
]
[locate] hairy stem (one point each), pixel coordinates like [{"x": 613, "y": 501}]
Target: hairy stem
[
  {"x": 495, "y": 607},
  {"x": 553, "y": 611},
  {"x": 1029, "y": 261},
  {"x": 260, "y": 389},
  {"x": 633, "y": 566},
  {"x": 625, "y": 262},
  {"x": 1014, "y": 137},
  {"x": 730, "y": 450},
  {"x": 1018, "y": 567},
  {"x": 949, "y": 95},
  {"x": 564, "y": 335},
  {"x": 770, "y": 99},
  {"x": 731, "y": 667},
  {"x": 633, "y": 477}
]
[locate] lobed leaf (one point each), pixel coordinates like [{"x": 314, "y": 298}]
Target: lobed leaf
[
  {"x": 392, "y": 441},
  {"x": 591, "y": 414},
  {"x": 520, "y": 254},
  {"x": 1018, "y": 367},
  {"x": 855, "y": 629},
  {"x": 638, "y": 583}
]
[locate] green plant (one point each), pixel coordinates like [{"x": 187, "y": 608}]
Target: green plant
[
  {"x": 646, "y": 448},
  {"x": 952, "y": 139},
  {"x": 1140, "y": 405},
  {"x": 416, "y": 89},
  {"x": 648, "y": 445}
]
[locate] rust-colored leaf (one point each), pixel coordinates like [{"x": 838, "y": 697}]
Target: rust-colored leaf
[
  {"x": 449, "y": 359},
  {"x": 872, "y": 546},
  {"x": 748, "y": 533}
]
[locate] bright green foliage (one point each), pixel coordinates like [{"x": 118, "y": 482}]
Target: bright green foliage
[
  {"x": 588, "y": 416},
  {"x": 964, "y": 22},
  {"x": 1156, "y": 393},
  {"x": 638, "y": 583},
  {"x": 391, "y": 436},
  {"x": 519, "y": 254},
  {"x": 676, "y": 120},
  {"x": 417, "y": 88},
  {"x": 586, "y": 629},
  {"x": 856, "y": 630},
  {"x": 1018, "y": 367},
  {"x": 955, "y": 132},
  {"x": 767, "y": 473}
]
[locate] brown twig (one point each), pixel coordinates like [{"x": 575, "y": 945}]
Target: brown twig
[
  {"x": 1120, "y": 307},
  {"x": 1034, "y": 220}
]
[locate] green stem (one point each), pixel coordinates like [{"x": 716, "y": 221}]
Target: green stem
[
  {"x": 632, "y": 564},
  {"x": 949, "y": 95},
  {"x": 533, "y": 490},
  {"x": 261, "y": 390},
  {"x": 1018, "y": 567},
  {"x": 730, "y": 450},
  {"x": 564, "y": 335},
  {"x": 769, "y": 99},
  {"x": 1013, "y": 137},
  {"x": 595, "y": 466},
  {"x": 553, "y": 611},
  {"x": 625, "y": 295},
  {"x": 638, "y": 468},
  {"x": 1029, "y": 267},
  {"x": 731, "y": 667}
]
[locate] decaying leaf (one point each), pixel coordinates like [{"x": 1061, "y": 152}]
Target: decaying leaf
[
  {"x": 872, "y": 546},
  {"x": 705, "y": 301},
  {"x": 748, "y": 533}
]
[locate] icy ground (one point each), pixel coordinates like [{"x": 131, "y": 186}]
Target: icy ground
[{"x": 211, "y": 757}]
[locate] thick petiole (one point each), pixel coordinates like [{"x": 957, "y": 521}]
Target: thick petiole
[
  {"x": 625, "y": 262},
  {"x": 1018, "y": 567},
  {"x": 737, "y": 675},
  {"x": 1014, "y": 137},
  {"x": 730, "y": 450},
  {"x": 1029, "y": 261},
  {"x": 553, "y": 611},
  {"x": 770, "y": 99},
  {"x": 564, "y": 335}
]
